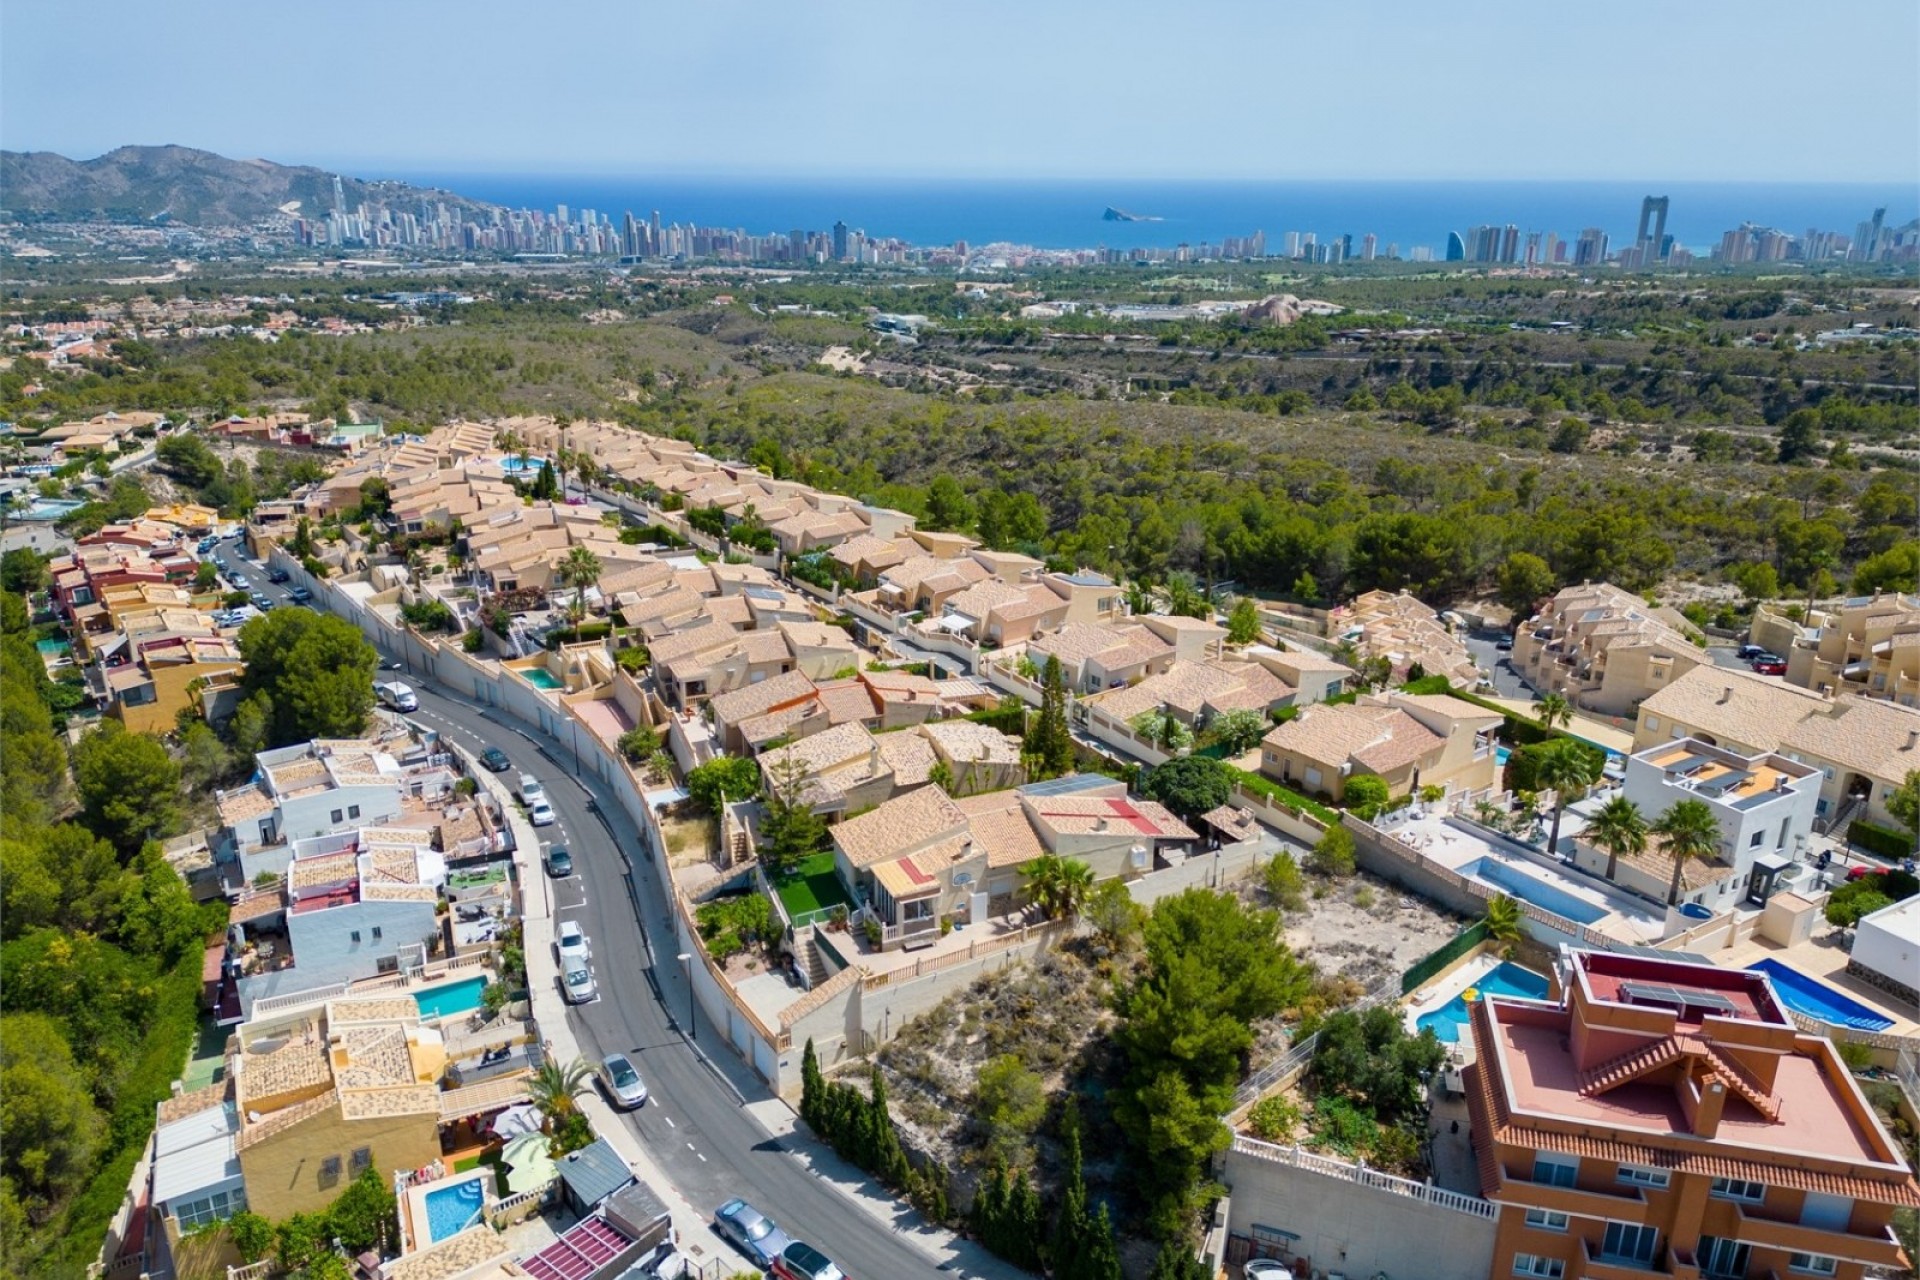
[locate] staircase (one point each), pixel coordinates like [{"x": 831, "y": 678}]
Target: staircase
[
  {"x": 807, "y": 956},
  {"x": 1843, "y": 817},
  {"x": 740, "y": 851}
]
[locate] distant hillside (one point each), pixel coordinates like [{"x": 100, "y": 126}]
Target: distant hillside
[{"x": 180, "y": 184}]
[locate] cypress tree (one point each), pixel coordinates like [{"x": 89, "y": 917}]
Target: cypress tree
[
  {"x": 1069, "y": 1227},
  {"x": 990, "y": 1209},
  {"x": 889, "y": 1160},
  {"x": 1025, "y": 1223},
  {"x": 1052, "y": 743},
  {"x": 810, "y": 1088}
]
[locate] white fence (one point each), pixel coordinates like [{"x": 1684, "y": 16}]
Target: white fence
[{"x": 1425, "y": 1192}]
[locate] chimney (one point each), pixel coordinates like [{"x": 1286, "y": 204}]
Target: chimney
[
  {"x": 1913, "y": 739},
  {"x": 1726, "y": 695},
  {"x": 1099, "y": 824}
]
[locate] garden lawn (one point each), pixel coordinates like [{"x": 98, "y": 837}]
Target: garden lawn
[{"x": 810, "y": 886}]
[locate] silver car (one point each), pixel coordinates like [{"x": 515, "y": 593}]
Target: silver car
[{"x": 622, "y": 1083}]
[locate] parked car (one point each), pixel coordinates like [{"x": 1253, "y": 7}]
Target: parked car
[
  {"x": 751, "y": 1232},
  {"x": 262, "y": 602},
  {"x": 559, "y": 862},
  {"x": 800, "y": 1261},
  {"x": 1748, "y": 652},
  {"x": 1503, "y": 645},
  {"x": 576, "y": 969},
  {"x": 622, "y": 1083},
  {"x": 1768, "y": 665},
  {"x": 277, "y": 574},
  {"x": 239, "y": 581},
  {"x": 494, "y": 760},
  {"x": 1267, "y": 1269},
  {"x": 528, "y": 788},
  {"x": 540, "y": 813},
  {"x": 300, "y": 595},
  {"x": 398, "y": 696}
]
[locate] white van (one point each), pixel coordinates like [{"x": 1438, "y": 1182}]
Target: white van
[
  {"x": 528, "y": 788},
  {"x": 397, "y": 696}
]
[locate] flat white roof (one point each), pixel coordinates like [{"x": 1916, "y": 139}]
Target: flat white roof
[{"x": 1901, "y": 920}]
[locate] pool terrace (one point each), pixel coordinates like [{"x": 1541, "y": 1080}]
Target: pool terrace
[{"x": 1507, "y": 867}]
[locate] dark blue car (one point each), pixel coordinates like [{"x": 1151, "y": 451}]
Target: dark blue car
[{"x": 751, "y": 1232}]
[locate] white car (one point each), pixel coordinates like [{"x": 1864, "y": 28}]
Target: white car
[
  {"x": 528, "y": 788},
  {"x": 1267, "y": 1269},
  {"x": 540, "y": 813},
  {"x": 576, "y": 973},
  {"x": 398, "y": 696}
]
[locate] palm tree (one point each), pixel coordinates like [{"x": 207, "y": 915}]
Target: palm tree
[
  {"x": 1554, "y": 710},
  {"x": 1503, "y": 920},
  {"x": 554, "y": 1087},
  {"x": 1567, "y": 770},
  {"x": 1058, "y": 886},
  {"x": 417, "y": 566},
  {"x": 1689, "y": 830},
  {"x": 580, "y": 569},
  {"x": 1620, "y": 830}
]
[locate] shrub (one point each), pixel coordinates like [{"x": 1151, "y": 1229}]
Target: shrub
[
  {"x": 1885, "y": 841},
  {"x": 473, "y": 641},
  {"x": 1334, "y": 854},
  {"x": 1367, "y": 794},
  {"x": 1274, "y": 1120},
  {"x": 1284, "y": 883},
  {"x": 428, "y": 615}
]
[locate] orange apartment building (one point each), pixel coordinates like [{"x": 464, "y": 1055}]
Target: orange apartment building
[{"x": 1666, "y": 1118}]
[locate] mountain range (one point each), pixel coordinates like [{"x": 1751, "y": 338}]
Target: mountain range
[{"x": 181, "y": 184}]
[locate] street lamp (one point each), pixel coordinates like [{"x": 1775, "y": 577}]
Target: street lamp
[{"x": 693, "y": 1030}]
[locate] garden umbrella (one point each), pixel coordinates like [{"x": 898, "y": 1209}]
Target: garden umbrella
[
  {"x": 514, "y": 1121},
  {"x": 528, "y": 1163}
]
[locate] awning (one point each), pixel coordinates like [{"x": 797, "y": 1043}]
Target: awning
[{"x": 955, "y": 622}]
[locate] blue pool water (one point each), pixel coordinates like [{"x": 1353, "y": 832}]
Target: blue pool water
[
  {"x": 451, "y": 1210},
  {"x": 455, "y": 997},
  {"x": 541, "y": 678},
  {"x": 1815, "y": 999},
  {"x": 1525, "y": 885},
  {"x": 1506, "y": 979},
  {"x": 1500, "y": 755}
]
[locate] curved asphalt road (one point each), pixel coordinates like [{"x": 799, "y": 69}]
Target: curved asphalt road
[{"x": 694, "y": 1122}]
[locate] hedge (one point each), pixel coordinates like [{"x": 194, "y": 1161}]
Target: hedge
[
  {"x": 1515, "y": 730},
  {"x": 586, "y": 631},
  {"x": 1261, "y": 785},
  {"x": 1434, "y": 961},
  {"x": 1885, "y": 841},
  {"x": 1428, "y": 685}
]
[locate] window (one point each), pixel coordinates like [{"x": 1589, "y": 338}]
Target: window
[
  {"x": 1720, "y": 1257},
  {"x": 1556, "y": 1171},
  {"x": 1630, "y": 1240},
  {"x": 353, "y": 811},
  {"x": 1546, "y": 1220},
  {"x": 362, "y": 1157},
  {"x": 1641, "y": 1176},
  {"x": 217, "y": 1207},
  {"x": 1817, "y": 1264},
  {"x": 337, "y": 815},
  {"x": 376, "y": 933},
  {"x": 1653, "y": 724},
  {"x": 329, "y": 1171},
  {"x": 354, "y": 936},
  {"x": 1532, "y": 1264},
  {"x": 1739, "y": 1189},
  {"x": 1679, "y": 731},
  {"x": 918, "y": 909},
  {"x": 1758, "y": 836}
]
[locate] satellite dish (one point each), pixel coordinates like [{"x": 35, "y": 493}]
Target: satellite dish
[{"x": 962, "y": 877}]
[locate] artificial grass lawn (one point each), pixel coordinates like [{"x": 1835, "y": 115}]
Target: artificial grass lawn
[{"x": 810, "y": 886}]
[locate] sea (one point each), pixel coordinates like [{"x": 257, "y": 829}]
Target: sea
[{"x": 1068, "y": 215}]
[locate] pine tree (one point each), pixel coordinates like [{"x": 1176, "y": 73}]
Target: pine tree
[{"x": 1176, "y": 1262}]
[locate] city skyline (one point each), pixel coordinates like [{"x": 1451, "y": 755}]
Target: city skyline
[{"x": 992, "y": 90}]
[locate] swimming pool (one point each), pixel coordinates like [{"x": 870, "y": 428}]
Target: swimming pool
[
  {"x": 1500, "y": 755},
  {"x": 1525, "y": 885},
  {"x": 1504, "y": 979},
  {"x": 1812, "y": 998},
  {"x": 455, "y": 997},
  {"x": 451, "y": 1210},
  {"x": 541, "y": 678}
]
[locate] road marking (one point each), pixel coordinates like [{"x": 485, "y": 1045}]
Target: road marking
[
  {"x": 703, "y": 1159},
  {"x": 669, "y": 1120},
  {"x": 690, "y": 1148}
]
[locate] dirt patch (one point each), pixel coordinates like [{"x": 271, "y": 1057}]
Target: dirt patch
[
  {"x": 690, "y": 841},
  {"x": 1366, "y": 929}
]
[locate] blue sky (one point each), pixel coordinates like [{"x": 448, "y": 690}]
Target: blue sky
[{"x": 1492, "y": 89}]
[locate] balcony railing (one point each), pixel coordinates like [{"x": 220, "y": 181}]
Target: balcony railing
[
  {"x": 1877, "y": 1249},
  {"x": 1596, "y": 1265},
  {"x": 1626, "y": 1205}
]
